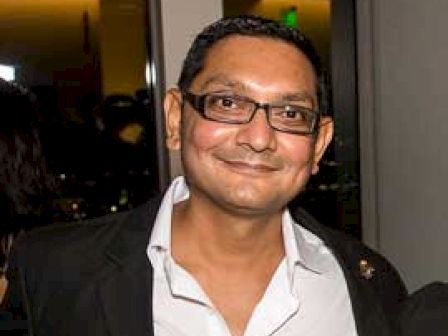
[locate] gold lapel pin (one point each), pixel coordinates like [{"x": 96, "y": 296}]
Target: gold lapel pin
[{"x": 366, "y": 270}]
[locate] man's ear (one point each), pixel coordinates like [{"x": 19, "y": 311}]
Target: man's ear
[
  {"x": 326, "y": 129},
  {"x": 173, "y": 112}
]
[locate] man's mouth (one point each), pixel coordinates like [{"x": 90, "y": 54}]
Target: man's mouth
[
  {"x": 250, "y": 163},
  {"x": 251, "y": 166}
]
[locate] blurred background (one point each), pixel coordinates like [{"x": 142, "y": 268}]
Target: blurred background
[{"x": 88, "y": 62}]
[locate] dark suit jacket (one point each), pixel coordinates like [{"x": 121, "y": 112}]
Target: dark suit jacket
[
  {"x": 94, "y": 277},
  {"x": 425, "y": 312}
]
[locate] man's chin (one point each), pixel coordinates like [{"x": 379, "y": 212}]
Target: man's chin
[{"x": 250, "y": 208}]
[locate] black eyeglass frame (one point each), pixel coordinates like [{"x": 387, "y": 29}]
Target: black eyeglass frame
[{"x": 198, "y": 104}]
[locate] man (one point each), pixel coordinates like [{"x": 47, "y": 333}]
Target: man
[{"x": 220, "y": 254}]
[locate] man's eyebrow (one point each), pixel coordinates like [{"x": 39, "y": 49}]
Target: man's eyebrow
[
  {"x": 223, "y": 80},
  {"x": 297, "y": 96},
  {"x": 302, "y": 95}
]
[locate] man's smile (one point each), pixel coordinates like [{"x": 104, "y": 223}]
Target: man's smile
[{"x": 251, "y": 166}]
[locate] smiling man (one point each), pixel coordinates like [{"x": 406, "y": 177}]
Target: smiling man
[{"x": 220, "y": 254}]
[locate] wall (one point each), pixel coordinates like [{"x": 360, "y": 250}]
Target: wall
[
  {"x": 403, "y": 94},
  {"x": 122, "y": 46},
  {"x": 181, "y": 21}
]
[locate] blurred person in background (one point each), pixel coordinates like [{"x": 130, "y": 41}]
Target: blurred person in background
[{"x": 25, "y": 183}]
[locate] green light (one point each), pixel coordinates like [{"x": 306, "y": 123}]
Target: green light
[{"x": 290, "y": 18}]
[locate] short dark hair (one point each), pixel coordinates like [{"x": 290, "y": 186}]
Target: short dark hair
[{"x": 248, "y": 25}]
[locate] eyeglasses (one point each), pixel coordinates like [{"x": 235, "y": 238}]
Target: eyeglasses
[{"x": 233, "y": 109}]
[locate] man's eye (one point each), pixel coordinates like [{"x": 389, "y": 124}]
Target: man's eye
[
  {"x": 223, "y": 103},
  {"x": 292, "y": 114},
  {"x": 227, "y": 102}
]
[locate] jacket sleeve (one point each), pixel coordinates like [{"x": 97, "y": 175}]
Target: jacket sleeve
[
  {"x": 16, "y": 306},
  {"x": 425, "y": 312}
]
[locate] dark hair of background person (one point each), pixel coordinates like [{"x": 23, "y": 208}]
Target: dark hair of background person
[
  {"x": 249, "y": 25},
  {"x": 24, "y": 180}
]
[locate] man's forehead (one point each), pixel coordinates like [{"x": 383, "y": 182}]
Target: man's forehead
[
  {"x": 241, "y": 64},
  {"x": 227, "y": 42},
  {"x": 233, "y": 49}
]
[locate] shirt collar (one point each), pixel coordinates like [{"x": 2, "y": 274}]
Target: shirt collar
[
  {"x": 161, "y": 232},
  {"x": 302, "y": 248}
]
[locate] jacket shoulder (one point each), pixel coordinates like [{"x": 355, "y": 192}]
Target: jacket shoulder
[
  {"x": 98, "y": 230},
  {"x": 78, "y": 249},
  {"x": 425, "y": 312},
  {"x": 50, "y": 267}
]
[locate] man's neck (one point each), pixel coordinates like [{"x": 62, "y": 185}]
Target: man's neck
[
  {"x": 233, "y": 258},
  {"x": 222, "y": 238}
]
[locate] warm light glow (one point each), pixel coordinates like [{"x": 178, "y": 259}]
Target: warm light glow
[
  {"x": 44, "y": 5},
  {"x": 46, "y": 28},
  {"x": 7, "y": 72},
  {"x": 54, "y": 10}
]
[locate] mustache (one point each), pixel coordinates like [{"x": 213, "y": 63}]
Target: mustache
[{"x": 264, "y": 159}]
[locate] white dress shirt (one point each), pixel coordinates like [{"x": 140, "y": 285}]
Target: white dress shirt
[{"x": 307, "y": 294}]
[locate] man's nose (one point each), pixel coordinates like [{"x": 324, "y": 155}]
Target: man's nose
[{"x": 258, "y": 134}]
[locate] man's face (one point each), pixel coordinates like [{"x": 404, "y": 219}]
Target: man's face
[{"x": 248, "y": 169}]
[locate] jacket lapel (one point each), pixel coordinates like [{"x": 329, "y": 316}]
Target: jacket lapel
[
  {"x": 368, "y": 311},
  {"x": 125, "y": 291},
  {"x": 126, "y": 298},
  {"x": 367, "y": 308}
]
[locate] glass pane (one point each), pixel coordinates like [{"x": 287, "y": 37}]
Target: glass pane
[{"x": 86, "y": 61}]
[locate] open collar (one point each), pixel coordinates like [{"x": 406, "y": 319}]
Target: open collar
[{"x": 125, "y": 287}]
